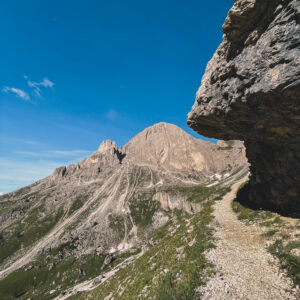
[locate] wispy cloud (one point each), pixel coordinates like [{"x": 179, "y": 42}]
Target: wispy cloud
[
  {"x": 46, "y": 83},
  {"x": 24, "y": 167},
  {"x": 112, "y": 115},
  {"x": 36, "y": 86},
  {"x": 16, "y": 173},
  {"x": 19, "y": 142},
  {"x": 55, "y": 153},
  {"x": 20, "y": 93}
]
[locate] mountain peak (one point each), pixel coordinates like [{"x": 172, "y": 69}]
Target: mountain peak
[
  {"x": 161, "y": 130},
  {"x": 170, "y": 147},
  {"x": 163, "y": 126},
  {"x": 107, "y": 145}
]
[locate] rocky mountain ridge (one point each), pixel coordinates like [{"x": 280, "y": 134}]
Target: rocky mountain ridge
[{"x": 164, "y": 146}]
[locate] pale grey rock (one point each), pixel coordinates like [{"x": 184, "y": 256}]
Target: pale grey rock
[
  {"x": 171, "y": 202},
  {"x": 171, "y": 148},
  {"x": 250, "y": 91}
]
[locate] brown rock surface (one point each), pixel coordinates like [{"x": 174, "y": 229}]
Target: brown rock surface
[
  {"x": 250, "y": 91},
  {"x": 168, "y": 146}
]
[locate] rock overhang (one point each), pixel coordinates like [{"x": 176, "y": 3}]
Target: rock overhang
[{"x": 250, "y": 91}]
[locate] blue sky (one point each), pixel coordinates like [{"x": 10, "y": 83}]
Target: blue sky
[{"x": 76, "y": 72}]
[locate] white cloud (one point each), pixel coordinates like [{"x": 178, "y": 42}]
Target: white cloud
[
  {"x": 1, "y": 194},
  {"x": 55, "y": 153},
  {"x": 36, "y": 86},
  {"x": 20, "y": 93},
  {"x": 15, "y": 173},
  {"x": 25, "y": 167},
  {"x": 46, "y": 83},
  {"x": 9, "y": 140},
  {"x": 112, "y": 115}
]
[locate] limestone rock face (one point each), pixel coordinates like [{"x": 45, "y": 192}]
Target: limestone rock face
[
  {"x": 250, "y": 91},
  {"x": 165, "y": 146},
  {"x": 172, "y": 202},
  {"x": 107, "y": 156},
  {"x": 169, "y": 147},
  {"x": 107, "y": 145}
]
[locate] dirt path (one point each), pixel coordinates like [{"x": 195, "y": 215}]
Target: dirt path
[{"x": 245, "y": 270}]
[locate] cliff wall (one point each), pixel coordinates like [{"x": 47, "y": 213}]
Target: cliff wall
[{"x": 250, "y": 91}]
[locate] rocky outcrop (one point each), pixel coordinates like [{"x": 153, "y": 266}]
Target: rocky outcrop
[
  {"x": 250, "y": 91},
  {"x": 107, "y": 156},
  {"x": 171, "y": 202},
  {"x": 107, "y": 145}
]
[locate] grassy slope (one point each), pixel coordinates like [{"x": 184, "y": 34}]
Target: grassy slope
[
  {"x": 172, "y": 268},
  {"x": 49, "y": 273},
  {"x": 198, "y": 194},
  {"x": 31, "y": 228},
  {"x": 25, "y": 232},
  {"x": 175, "y": 264}
]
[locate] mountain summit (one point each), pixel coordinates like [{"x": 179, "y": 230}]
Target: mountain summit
[
  {"x": 106, "y": 145},
  {"x": 168, "y": 146}
]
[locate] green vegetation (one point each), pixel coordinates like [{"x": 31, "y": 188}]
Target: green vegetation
[
  {"x": 229, "y": 146},
  {"x": 249, "y": 215},
  {"x": 77, "y": 203},
  {"x": 42, "y": 278},
  {"x": 116, "y": 223},
  {"x": 221, "y": 192},
  {"x": 276, "y": 221},
  {"x": 22, "y": 191},
  {"x": 142, "y": 208},
  {"x": 172, "y": 268},
  {"x": 280, "y": 232},
  {"x": 198, "y": 194},
  {"x": 24, "y": 233},
  {"x": 288, "y": 261},
  {"x": 48, "y": 273},
  {"x": 119, "y": 224},
  {"x": 270, "y": 232},
  {"x": 30, "y": 195},
  {"x": 8, "y": 204}
]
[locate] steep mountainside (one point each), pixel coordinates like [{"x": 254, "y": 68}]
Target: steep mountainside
[
  {"x": 171, "y": 148},
  {"x": 251, "y": 90},
  {"x": 80, "y": 227}
]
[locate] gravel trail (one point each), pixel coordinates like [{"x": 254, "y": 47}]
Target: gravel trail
[{"x": 245, "y": 270}]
